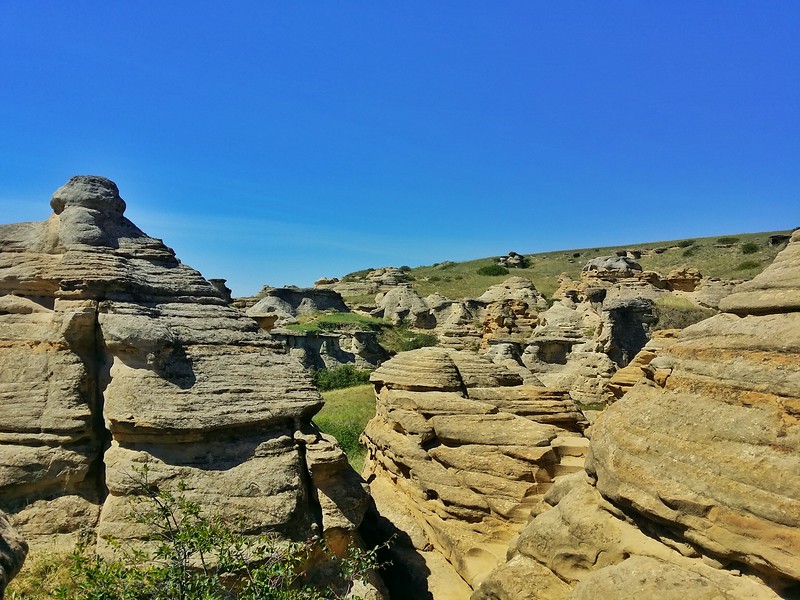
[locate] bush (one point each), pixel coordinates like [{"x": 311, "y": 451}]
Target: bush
[
  {"x": 750, "y": 248},
  {"x": 728, "y": 241},
  {"x": 747, "y": 265},
  {"x": 492, "y": 270},
  {"x": 336, "y": 378},
  {"x": 689, "y": 252},
  {"x": 198, "y": 557},
  {"x": 686, "y": 243}
]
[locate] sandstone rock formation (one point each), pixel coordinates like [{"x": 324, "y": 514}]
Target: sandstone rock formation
[
  {"x": 13, "y": 550},
  {"x": 374, "y": 282},
  {"x": 115, "y": 355},
  {"x": 692, "y": 485},
  {"x": 330, "y": 350},
  {"x": 280, "y": 306},
  {"x": 459, "y": 453}
]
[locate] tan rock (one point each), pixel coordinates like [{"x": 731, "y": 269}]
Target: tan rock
[
  {"x": 692, "y": 483},
  {"x": 106, "y": 339},
  {"x": 774, "y": 290},
  {"x": 459, "y": 470}
]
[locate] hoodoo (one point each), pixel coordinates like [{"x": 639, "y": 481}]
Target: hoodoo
[{"x": 113, "y": 355}]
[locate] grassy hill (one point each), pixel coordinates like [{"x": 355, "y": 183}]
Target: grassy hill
[{"x": 740, "y": 256}]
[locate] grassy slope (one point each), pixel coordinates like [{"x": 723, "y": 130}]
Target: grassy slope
[
  {"x": 460, "y": 280},
  {"x": 344, "y": 416}
]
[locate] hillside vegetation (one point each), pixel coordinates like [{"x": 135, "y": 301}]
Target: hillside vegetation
[{"x": 740, "y": 256}]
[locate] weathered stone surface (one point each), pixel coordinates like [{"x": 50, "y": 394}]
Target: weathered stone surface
[
  {"x": 692, "y": 484},
  {"x": 403, "y": 304},
  {"x": 639, "y": 368},
  {"x": 460, "y": 452},
  {"x": 284, "y": 304},
  {"x": 330, "y": 350},
  {"x": 644, "y": 578},
  {"x": 115, "y": 355},
  {"x": 13, "y": 550},
  {"x": 774, "y": 290}
]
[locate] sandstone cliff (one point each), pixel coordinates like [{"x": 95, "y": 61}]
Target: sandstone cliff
[
  {"x": 692, "y": 483},
  {"x": 113, "y": 355},
  {"x": 459, "y": 453}
]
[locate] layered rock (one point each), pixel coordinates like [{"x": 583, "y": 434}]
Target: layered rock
[
  {"x": 691, "y": 485},
  {"x": 329, "y": 350},
  {"x": 281, "y": 306},
  {"x": 116, "y": 355},
  {"x": 459, "y": 453}
]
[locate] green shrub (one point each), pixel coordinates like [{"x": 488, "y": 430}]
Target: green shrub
[
  {"x": 747, "y": 265},
  {"x": 686, "y": 243},
  {"x": 690, "y": 251},
  {"x": 336, "y": 378},
  {"x": 728, "y": 241},
  {"x": 492, "y": 270},
  {"x": 750, "y": 248},
  {"x": 196, "y": 557}
]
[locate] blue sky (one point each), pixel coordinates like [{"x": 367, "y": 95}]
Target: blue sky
[{"x": 279, "y": 142}]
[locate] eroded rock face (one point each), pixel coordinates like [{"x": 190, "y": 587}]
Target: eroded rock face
[
  {"x": 13, "y": 550},
  {"x": 460, "y": 452},
  {"x": 691, "y": 481},
  {"x": 115, "y": 355}
]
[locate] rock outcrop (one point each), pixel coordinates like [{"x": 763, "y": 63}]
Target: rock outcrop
[
  {"x": 329, "y": 350},
  {"x": 459, "y": 453},
  {"x": 281, "y": 306},
  {"x": 691, "y": 487},
  {"x": 13, "y": 550},
  {"x": 115, "y": 355}
]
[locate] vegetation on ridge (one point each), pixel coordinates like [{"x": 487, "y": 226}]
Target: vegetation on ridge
[{"x": 713, "y": 256}]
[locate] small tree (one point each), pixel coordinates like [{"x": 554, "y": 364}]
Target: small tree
[{"x": 200, "y": 557}]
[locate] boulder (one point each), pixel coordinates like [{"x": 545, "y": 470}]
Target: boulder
[
  {"x": 401, "y": 304},
  {"x": 685, "y": 279},
  {"x": 611, "y": 267}
]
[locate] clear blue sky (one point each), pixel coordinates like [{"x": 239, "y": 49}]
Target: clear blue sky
[{"x": 278, "y": 142}]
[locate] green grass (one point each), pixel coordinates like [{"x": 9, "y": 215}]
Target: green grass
[
  {"x": 336, "y": 321},
  {"x": 344, "y": 416},
  {"x": 675, "y": 312},
  {"x": 728, "y": 240}
]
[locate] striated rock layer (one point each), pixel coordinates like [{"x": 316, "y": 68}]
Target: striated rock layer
[
  {"x": 114, "y": 355},
  {"x": 459, "y": 453},
  {"x": 692, "y": 483}
]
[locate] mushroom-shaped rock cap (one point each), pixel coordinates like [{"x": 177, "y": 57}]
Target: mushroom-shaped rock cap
[{"x": 88, "y": 191}]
